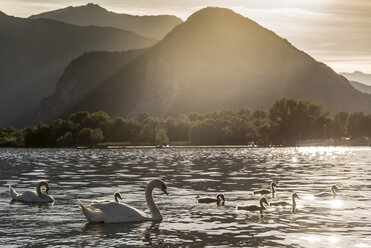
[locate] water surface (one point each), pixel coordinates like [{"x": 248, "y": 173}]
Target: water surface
[{"x": 96, "y": 174}]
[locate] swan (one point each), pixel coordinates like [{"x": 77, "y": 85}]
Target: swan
[
  {"x": 117, "y": 212},
  {"x": 285, "y": 203},
  {"x": 32, "y": 196},
  {"x": 273, "y": 185},
  {"x": 218, "y": 199},
  {"x": 116, "y": 196},
  {"x": 253, "y": 208},
  {"x": 334, "y": 190}
]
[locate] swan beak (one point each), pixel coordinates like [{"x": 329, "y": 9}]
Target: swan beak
[{"x": 164, "y": 190}]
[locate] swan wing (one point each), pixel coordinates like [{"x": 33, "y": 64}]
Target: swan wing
[
  {"x": 280, "y": 203},
  {"x": 262, "y": 192},
  {"x": 248, "y": 207},
  {"x": 323, "y": 194},
  {"x": 112, "y": 212},
  {"x": 206, "y": 200},
  {"x": 102, "y": 201}
]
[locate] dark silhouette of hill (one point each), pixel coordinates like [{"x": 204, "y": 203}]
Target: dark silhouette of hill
[
  {"x": 82, "y": 77},
  {"x": 361, "y": 87},
  {"x": 358, "y": 76},
  {"x": 92, "y": 14},
  {"x": 34, "y": 54},
  {"x": 218, "y": 59}
]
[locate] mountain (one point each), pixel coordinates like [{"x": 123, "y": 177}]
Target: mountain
[
  {"x": 358, "y": 77},
  {"x": 91, "y": 14},
  {"x": 80, "y": 78},
  {"x": 361, "y": 87},
  {"x": 218, "y": 59},
  {"x": 34, "y": 54}
]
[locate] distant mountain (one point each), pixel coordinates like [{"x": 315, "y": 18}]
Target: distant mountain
[
  {"x": 218, "y": 59},
  {"x": 34, "y": 54},
  {"x": 361, "y": 87},
  {"x": 358, "y": 77},
  {"x": 91, "y": 14}
]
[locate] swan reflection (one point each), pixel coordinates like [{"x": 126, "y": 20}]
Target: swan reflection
[{"x": 150, "y": 232}]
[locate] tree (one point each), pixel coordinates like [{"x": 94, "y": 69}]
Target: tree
[
  {"x": 88, "y": 136},
  {"x": 292, "y": 120},
  {"x": 65, "y": 140},
  {"x": 161, "y": 136}
]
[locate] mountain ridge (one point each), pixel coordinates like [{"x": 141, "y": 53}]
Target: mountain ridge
[
  {"x": 155, "y": 27},
  {"x": 218, "y": 59},
  {"x": 358, "y": 76}
]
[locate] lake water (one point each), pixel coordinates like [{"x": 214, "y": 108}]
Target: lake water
[{"x": 96, "y": 174}]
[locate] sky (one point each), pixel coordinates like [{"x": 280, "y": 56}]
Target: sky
[{"x": 336, "y": 32}]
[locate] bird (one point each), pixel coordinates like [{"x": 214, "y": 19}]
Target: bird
[
  {"x": 285, "y": 203},
  {"x": 253, "y": 208},
  {"x": 219, "y": 199},
  {"x": 334, "y": 190},
  {"x": 273, "y": 185},
  {"x": 116, "y": 196},
  {"x": 33, "y": 196},
  {"x": 117, "y": 212}
]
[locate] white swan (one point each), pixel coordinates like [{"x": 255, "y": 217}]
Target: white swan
[
  {"x": 218, "y": 199},
  {"x": 334, "y": 190},
  {"x": 273, "y": 185},
  {"x": 32, "y": 196},
  {"x": 116, "y": 196},
  {"x": 285, "y": 203},
  {"x": 115, "y": 212}
]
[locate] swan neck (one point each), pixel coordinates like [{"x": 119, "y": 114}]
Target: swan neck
[
  {"x": 156, "y": 214},
  {"x": 273, "y": 189},
  {"x": 293, "y": 201},
  {"x": 38, "y": 190},
  {"x": 333, "y": 191},
  {"x": 262, "y": 205}
]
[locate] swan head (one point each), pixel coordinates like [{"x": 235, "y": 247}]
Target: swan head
[
  {"x": 295, "y": 196},
  {"x": 42, "y": 184},
  {"x": 334, "y": 189},
  {"x": 117, "y": 196},
  {"x": 263, "y": 200},
  {"x": 220, "y": 197},
  {"x": 273, "y": 187},
  {"x": 157, "y": 183}
]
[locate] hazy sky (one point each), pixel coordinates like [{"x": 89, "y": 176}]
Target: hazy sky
[{"x": 337, "y": 32}]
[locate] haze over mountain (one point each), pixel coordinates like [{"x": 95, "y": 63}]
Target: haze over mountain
[
  {"x": 361, "y": 87},
  {"x": 358, "y": 76},
  {"x": 218, "y": 59},
  {"x": 92, "y": 14},
  {"x": 34, "y": 54}
]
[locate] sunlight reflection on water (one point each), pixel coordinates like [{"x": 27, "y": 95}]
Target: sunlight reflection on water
[{"x": 96, "y": 174}]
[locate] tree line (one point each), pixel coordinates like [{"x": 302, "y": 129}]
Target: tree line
[{"x": 286, "y": 122}]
